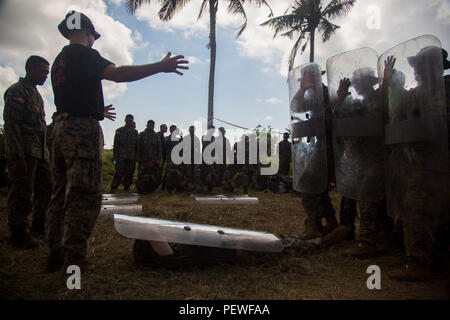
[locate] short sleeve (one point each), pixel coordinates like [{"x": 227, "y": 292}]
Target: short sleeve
[{"x": 95, "y": 63}]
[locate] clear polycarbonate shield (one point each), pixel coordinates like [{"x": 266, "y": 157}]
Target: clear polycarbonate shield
[
  {"x": 120, "y": 195},
  {"x": 128, "y": 209},
  {"x": 357, "y": 124},
  {"x": 195, "y": 234},
  {"x": 309, "y": 151},
  {"x": 231, "y": 200},
  {"x": 416, "y": 133},
  {"x": 121, "y": 200}
]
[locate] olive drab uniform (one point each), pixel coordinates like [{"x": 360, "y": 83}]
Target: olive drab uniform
[
  {"x": 25, "y": 132},
  {"x": 285, "y": 155},
  {"x": 149, "y": 151},
  {"x": 125, "y": 153},
  {"x": 178, "y": 177},
  {"x": 236, "y": 176}
]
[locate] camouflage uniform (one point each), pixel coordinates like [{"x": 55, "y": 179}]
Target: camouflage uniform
[
  {"x": 25, "y": 133},
  {"x": 285, "y": 157},
  {"x": 77, "y": 175},
  {"x": 207, "y": 177},
  {"x": 235, "y": 176},
  {"x": 149, "y": 151},
  {"x": 125, "y": 152},
  {"x": 319, "y": 206},
  {"x": 178, "y": 177}
]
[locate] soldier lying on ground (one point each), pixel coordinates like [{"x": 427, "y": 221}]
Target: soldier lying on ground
[{"x": 175, "y": 255}]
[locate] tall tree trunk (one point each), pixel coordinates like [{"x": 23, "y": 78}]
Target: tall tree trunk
[
  {"x": 212, "y": 68},
  {"x": 311, "y": 44}
]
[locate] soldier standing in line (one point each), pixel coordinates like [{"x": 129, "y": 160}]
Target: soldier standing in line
[
  {"x": 162, "y": 131},
  {"x": 285, "y": 153},
  {"x": 417, "y": 169},
  {"x": 150, "y": 154},
  {"x": 195, "y": 150},
  {"x": 312, "y": 157},
  {"x": 124, "y": 154},
  {"x": 27, "y": 154},
  {"x": 78, "y": 139},
  {"x": 226, "y": 149}
]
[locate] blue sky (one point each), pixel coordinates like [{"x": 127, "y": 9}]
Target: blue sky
[{"x": 251, "y": 72}]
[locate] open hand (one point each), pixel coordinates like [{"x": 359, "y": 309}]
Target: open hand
[
  {"x": 342, "y": 92},
  {"x": 108, "y": 114},
  {"x": 172, "y": 64},
  {"x": 389, "y": 67}
]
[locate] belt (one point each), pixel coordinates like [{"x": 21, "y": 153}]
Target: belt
[{"x": 66, "y": 115}]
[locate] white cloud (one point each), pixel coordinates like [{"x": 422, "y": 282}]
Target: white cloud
[
  {"x": 194, "y": 60},
  {"x": 268, "y": 118},
  {"x": 30, "y": 27},
  {"x": 274, "y": 100},
  {"x": 257, "y": 42},
  {"x": 7, "y": 77}
]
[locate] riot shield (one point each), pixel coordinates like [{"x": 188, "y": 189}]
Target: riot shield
[
  {"x": 357, "y": 124},
  {"x": 130, "y": 209},
  {"x": 195, "y": 234},
  {"x": 221, "y": 199},
  {"x": 120, "y": 195},
  {"x": 119, "y": 200},
  {"x": 309, "y": 152},
  {"x": 416, "y": 136}
]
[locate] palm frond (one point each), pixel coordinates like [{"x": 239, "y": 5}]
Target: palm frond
[
  {"x": 338, "y": 8},
  {"x": 132, "y": 5},
  {"x": 260, "y": 3},
  {"x": 326, "y": 29},
  {"x": 170, "y": 7},
  {"x": 282, "y": 23},
  {"x": 236, "y": 7},
  {"x": 202, "y": 8},
  {"x": 294, "y": 50}
]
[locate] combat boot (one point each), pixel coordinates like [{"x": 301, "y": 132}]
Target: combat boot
[
  {"x": 38, "y": 228},
  {"x": 55, "y": 260},
  {"x": 331, "y": 224},
  {"x": 362, "y": 251},
  {"x": 412, "y": 271},
  {"x": 339, "y": 234},
  {"x": 73, "y": 258},
  {"x": 21, "y": 239},
  {"x": 311, "y": 229}
]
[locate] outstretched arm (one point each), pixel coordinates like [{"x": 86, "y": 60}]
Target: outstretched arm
[{"x": 132, "y": 73}]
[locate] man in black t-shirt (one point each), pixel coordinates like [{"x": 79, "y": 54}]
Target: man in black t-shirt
[{"x": 78, "y": 139}]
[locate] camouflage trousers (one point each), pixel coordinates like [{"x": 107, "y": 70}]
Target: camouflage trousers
[
  {"x": 176, "y": 181},
  {"x": 124, "y": 169},
  {"x": 347, "y": 212},
  {"x": 242, "y": 181},
  {"x": 373, "y": 219},
  {"x": 418, "y": 240},
  {"x": 317, "y": 206},
  {"x": 77, "y": 189},
  {"x": 284, "y": 167},
  {"x": 149, "y": 178},
  {"x": 28, "y": 192}
]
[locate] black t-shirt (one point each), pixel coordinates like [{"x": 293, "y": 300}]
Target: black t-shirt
[{"x": 77, "y": 86}]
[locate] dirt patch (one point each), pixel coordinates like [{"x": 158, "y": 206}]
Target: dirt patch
[{"x": 323, "y": 275}]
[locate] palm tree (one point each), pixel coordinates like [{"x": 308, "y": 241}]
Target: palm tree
[
  {"x": 305, "y": 18},
  {"x": 170, "y": 7}
]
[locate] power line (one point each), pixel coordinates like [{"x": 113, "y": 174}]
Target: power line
[{"x": 241, "y": 127}]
